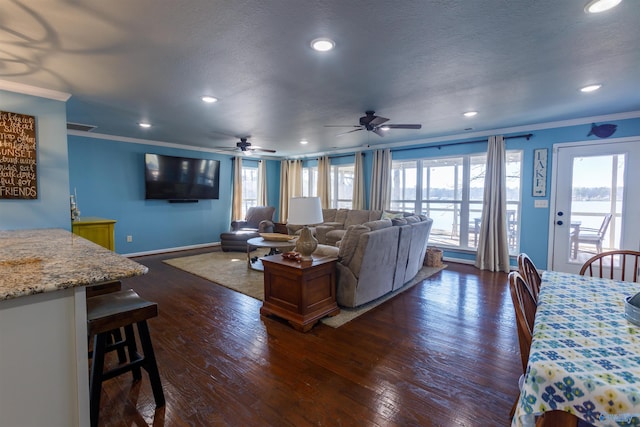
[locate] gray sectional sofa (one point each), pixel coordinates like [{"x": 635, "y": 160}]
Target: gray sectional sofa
[{"x": 376, "y": 256}]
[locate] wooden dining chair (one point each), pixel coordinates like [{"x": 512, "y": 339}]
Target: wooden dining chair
[
  {"x": 525, "y": 308},
  {"x": 530, "y": 273},
  {"x": 619, "y": 264}
]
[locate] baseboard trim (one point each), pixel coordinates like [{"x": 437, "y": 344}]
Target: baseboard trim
[
  {"x": 459, "y": 260},
  {"x": 473, "y": 262},
  {"x": 168, "y": 250}
]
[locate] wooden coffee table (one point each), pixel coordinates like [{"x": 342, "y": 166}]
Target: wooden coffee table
[
  {"x": 259, "y": 242},
  {"x": 300, "y": 292}
]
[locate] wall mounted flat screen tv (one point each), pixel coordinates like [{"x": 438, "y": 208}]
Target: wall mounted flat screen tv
[{"x": 181, "y": 178}]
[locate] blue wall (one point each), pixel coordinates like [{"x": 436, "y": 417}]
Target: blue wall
[
  {"x": 108, "y": 177},
  {"x": 51, "y": 208}
]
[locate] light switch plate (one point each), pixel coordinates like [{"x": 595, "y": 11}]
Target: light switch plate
[{"x": 543, "y": 203}]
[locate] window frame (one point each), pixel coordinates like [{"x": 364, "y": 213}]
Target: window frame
[{"x": 462, "y": 203}]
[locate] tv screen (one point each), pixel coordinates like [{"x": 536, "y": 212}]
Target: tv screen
[{"x": 181, "y": 178}]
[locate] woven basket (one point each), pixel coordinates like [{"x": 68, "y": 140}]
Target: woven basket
[{"x": 433, "y": 258}]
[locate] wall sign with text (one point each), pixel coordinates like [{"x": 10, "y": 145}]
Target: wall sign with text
[
  {"x": 540, "y": 172},
  {"x": 18, "y": 156}
]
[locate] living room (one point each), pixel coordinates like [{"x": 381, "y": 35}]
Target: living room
[{"x": 444, "y": 353}]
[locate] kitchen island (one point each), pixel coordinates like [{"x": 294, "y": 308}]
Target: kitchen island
[{"x": 43, "y": 329}]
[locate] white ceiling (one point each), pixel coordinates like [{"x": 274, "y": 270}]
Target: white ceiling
[{"x": 517, "y": 62}]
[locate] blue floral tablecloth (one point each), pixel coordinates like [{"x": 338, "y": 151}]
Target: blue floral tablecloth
[{"x": 585, "y": 356}]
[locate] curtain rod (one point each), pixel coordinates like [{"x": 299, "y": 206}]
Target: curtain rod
[
  {"x": 344, "y": 155},
  {"x": 528, "y": 136}
]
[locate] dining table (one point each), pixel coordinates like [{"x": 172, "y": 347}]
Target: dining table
[{"x": 585, "y": 354}]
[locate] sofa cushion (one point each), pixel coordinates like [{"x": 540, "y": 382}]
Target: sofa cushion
[
  {"x": 349, "y": 242},
  {"x": 356, "y": 216},
  {"x": 399, "y": 221},
  {"x": 412, "y": 219},
  {"x": 378, "y": 224},
  {"x": 333, "y": 236},
  {"x": 326, "y": 250},
  {"x": 341, "y": 216},
  {"x": 329, "y": 215}
]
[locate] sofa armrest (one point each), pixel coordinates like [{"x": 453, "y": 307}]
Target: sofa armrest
[
  {"x": 335, "y": 225},
  {"x": 294, "y": 229},
  {"x": 266, "y": 226}
]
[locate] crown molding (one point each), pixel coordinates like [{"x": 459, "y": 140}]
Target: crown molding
[{"x": 34, "y": 91}]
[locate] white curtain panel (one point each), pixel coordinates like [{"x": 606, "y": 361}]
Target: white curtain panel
[
  {"x": 381, "y": 180},
  {"x": 236, "y": 204},
  {"x": 493, "y": 247},
  {"x": 358, "y": 182},
  {"x": 284, "y": 190},
  {"x": 290, "y": 184},
  {"x": 324, "y": 181},
  {"x": 262, "y": 183}
]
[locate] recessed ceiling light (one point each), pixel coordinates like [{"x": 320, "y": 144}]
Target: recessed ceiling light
[
  {"x": 597, "y": 6},
  {"x": 470, "y": 113},
  {"x": 144, "y": 125},
  {"x": 323, "y": 44},
  {"x": 304, "y": 142},
  {"x": 590, "y": 88},
  {"x": 209, "y": 99}
]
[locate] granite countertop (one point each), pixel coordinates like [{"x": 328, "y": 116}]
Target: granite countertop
[{"x": 47, "y": 260}]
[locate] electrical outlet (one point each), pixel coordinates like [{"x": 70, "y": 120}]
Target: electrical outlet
[{"x": 129, "y": 239}]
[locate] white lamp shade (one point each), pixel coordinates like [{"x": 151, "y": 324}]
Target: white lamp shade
[{"x": 304, "y": 211}]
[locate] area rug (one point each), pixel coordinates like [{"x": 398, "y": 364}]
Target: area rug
[{"x": 230, "y": 270}]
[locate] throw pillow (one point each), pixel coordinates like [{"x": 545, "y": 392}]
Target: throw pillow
[{"x": 391, "y": 215}]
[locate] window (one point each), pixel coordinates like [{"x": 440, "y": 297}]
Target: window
[
  {"x": 341, "y": 182},
  {"x": 249, "y": 188},
  {"x": 450, "y": 190},
  {"x": 342, "y": 186},
  {"x": 310, "y": 181}
]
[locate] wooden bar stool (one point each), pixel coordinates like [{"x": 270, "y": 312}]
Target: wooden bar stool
[{"x": 109, "y": 312}]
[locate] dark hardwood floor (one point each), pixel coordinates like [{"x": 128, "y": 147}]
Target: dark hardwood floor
[{"x": 444, "y": 353}]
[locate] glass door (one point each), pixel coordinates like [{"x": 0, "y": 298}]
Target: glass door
[{"x": 595, "y": 202}]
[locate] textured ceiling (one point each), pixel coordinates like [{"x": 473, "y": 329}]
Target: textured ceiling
[{"x": 516, "y": 62}]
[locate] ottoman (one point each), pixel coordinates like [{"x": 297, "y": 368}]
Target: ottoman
[{"x": 236, "y": 240}]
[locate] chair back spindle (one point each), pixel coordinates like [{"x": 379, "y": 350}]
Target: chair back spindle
[{"x": 619, "y": 264}]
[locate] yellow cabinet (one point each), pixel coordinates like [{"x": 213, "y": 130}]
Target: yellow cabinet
[{"x": 98, "y": 230}]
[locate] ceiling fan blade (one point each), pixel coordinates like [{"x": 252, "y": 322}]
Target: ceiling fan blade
[
  {"x": 342, "y": 126},
  {"x": 377, "y": 121},
  {"x": 349, "y": 131},
  {"x": 378, "y": 131},
  {"x": 403, "y": 126},
  {"x": 264, "y": 150},
  {"x": 226, "y": 148}
]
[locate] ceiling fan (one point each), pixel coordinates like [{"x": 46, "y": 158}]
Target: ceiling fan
[
  {"x": 375, "y": 124},
  {"x": 245, "y": 146}
]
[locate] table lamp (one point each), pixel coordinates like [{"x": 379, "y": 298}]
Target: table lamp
[{"x": 305, "y": 211}]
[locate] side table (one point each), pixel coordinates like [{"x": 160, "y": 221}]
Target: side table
[{"x": 300, "y": 292}]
